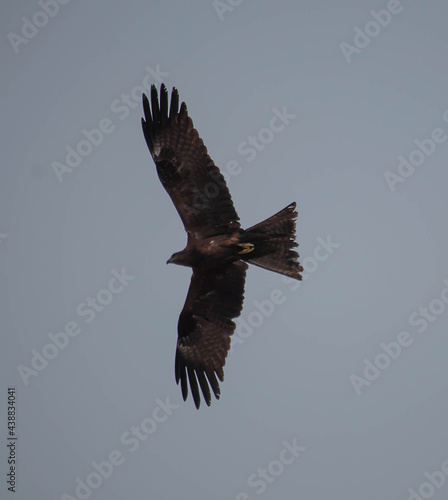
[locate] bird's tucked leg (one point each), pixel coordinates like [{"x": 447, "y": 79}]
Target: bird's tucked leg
[{"x": 246, "y": 247}]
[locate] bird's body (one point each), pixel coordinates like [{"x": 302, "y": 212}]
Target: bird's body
[
  {"x": 217, "y": 250},
  {"x": 207, "y": 252}
]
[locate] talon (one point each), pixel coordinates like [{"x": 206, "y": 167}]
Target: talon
[{"x": 247, "y": 247}]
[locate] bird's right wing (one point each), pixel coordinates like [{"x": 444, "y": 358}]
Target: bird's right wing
[
  {"x": 194, "y": 183},
  {"x": 205, "y": 325}
]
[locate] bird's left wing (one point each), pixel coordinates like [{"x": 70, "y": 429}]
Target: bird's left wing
[
  {"x": 194, "y": 183},
  {"x": 205, "y": 325}
]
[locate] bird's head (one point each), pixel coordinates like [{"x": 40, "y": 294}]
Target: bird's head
[{"x": 177, "y": 258}]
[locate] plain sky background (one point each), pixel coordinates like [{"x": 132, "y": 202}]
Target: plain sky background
[{"x": 290, "y": 379}]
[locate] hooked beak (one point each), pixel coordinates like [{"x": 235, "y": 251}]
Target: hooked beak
[{"x": 169, "y": 261}]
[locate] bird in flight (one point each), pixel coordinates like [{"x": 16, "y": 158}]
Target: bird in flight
[{"x": 217, "y": 250}]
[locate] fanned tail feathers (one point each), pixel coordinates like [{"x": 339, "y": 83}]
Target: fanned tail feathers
[{"x": 274, "y": 241}]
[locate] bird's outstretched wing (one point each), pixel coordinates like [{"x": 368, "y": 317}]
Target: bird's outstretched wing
[
  {"x": 194, "y": 183},
  {"x": 205, "y": 325}
]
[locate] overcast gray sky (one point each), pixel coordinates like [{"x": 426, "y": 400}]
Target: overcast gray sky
[{"x": 336, "y": 388}]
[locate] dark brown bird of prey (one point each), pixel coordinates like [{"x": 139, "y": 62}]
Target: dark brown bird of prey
[{"x": 218, "y": 249}]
